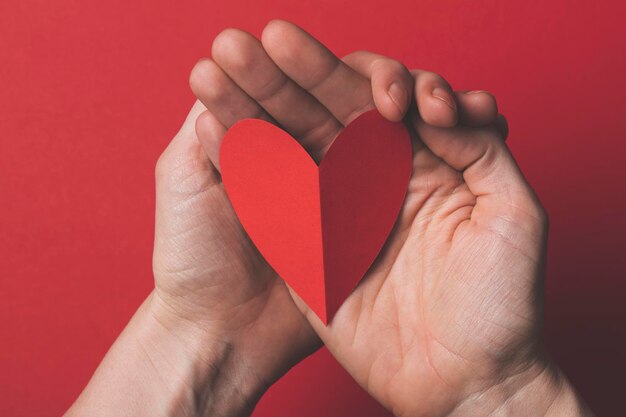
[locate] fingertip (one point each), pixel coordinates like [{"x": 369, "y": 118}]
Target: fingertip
[
  {"x": 234, "y": 48},
  {"x": 399, "y": 94},
  {"x": 276, "y": 30},
  {"x": 205, "y": 80},
  {"x": 291, "y": 47},
  {"x": 438, "y": 108},
  {"x": 210, "y": 132},
  {"x": 435, "y": 101},
  {"x": 202, "y": 123},
  {"x": 222, "y": 41},
  {"x": 392, "y": 101},
  {"x": 273, "y": 24},
  {"x": 477, "y": 108},
  {"x": 392, "y": 87},
  {"x": 198, "y": 74}
]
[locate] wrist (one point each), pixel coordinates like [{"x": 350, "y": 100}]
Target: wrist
[
  {"x": 165, "y": 366},
  {"x": 212, "y": 377},
  {"x": 540, "y": 389}
]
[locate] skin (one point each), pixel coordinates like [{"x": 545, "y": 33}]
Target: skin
[{"x": 445, "y": 323}]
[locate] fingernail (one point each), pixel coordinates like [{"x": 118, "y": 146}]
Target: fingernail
[
  {"x": 474, "y": 92},
  {"x": 398, "y": 95},
  {"x": 443, "y": 95}
]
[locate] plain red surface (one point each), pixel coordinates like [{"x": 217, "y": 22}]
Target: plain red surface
[
  {"x": 319, "y": 228},
  {"x": 91, "y": 92}
]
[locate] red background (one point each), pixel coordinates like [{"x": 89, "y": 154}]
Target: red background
[{"x": 92, "y": 91}]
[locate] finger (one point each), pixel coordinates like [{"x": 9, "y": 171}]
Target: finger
[
  {"x": 210, "y": 133},
  {"x": 476, "y": 108},
  {"x": 186, "y": 140},
  {"x": 384, "y": 74},
  {"x": 435, "y": 100},
  {"x": 245, "y": 61},
  {"x": 488, "y": 169},
  {"x": 183, "y": 154},
  {"x": 503, "y": 126},
  {"x": 391, "y": 82},
  {"x": 221, "y": 96},
  {"x": 343, "y": 91}
]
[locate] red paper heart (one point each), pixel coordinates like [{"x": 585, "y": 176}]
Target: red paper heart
[{"x": 320, "y": 228}]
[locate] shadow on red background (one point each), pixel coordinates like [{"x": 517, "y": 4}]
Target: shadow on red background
[{"x": 91, "y": 92}]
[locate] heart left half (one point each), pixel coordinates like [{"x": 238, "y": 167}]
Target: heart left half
[{"x": 319, "y": 227}]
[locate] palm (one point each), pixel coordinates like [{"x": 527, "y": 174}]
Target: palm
[
  {"x": 207, "y": 269},
  {"x": 451, "y": 299}
]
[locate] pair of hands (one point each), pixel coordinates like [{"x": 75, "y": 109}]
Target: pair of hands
[
  {"x": 447, "y": 320},
  {"x": 451, "y": 304}
]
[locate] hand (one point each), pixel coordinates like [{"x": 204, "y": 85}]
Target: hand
[
  {"x": 220, "y": 326},
  {"x": 447, "y": 320}
]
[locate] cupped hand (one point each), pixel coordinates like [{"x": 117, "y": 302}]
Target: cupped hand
[{"x": 451, "y": 308}]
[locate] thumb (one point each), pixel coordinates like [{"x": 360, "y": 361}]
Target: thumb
[{"x": 502, "y": 193}]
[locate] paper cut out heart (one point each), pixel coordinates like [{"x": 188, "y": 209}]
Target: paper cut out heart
[{"x": 320, "y": 228}]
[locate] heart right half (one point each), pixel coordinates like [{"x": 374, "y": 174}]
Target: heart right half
[{"x": 320, "y": 228}]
